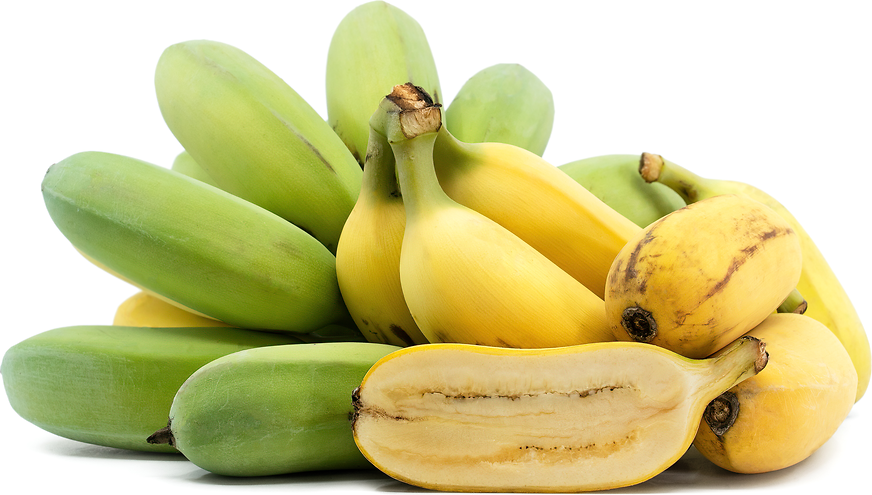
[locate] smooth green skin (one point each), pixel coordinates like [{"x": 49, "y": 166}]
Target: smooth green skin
[
  {"x": 112, "y": 385},
  {"x": 375, "y": 47},
  {"x": 193, "y": 243},
  {"x": 184, "y": 163},
  {"x": 278, "y": 410},
  {"x": 615, "y": 180},
  {"x": 503, "y": 103},
  {"x": 256, "y": 137}
]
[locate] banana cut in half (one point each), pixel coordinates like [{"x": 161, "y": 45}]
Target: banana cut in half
[{"x": 460, "y": 417}]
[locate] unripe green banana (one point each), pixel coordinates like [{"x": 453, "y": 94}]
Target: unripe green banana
[
  {"x": 281, "y": 410},
  {"x": 256, "y": 137},
  {"x": 184, "y": 163},
  {"x": 375, "y": 47},
  {"x": 503, "y": 103},
  {"x": 616, "y": 181},
  {"x": 193, "y": 244},
  {"x": 109, "y": 385}
]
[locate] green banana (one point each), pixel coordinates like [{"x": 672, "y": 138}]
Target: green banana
[
  {"x": 193, "y": 244},
  {"x": 256, "y": 137},
  {"x": 184, "y": 163},
  {"x": 275, "y": 410},
  {"x": 504, "y": 103},
  {"x": 109, "y": 385},
  {"x": 615, "y": 180},
  {"x": 375, "y": 47}
]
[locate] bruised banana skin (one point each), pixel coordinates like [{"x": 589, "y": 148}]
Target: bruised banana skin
[
  {"x": 256, "y": 137},
  {"x": 110, "y": 385},
  {"x": 193, "y": 244},
  {"x": 783, "y": 414},
  {"x": 283, "y": 409},
  {"x": 374, "y": 47},
  {"x": 460, "y": 417},
  {"x": 503, "y": 103},
  {"x": 703, "y": 275},
  {"x": 828, "y": 302}
]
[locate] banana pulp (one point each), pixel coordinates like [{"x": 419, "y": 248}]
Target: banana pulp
[{"x": 590, "y": 417}]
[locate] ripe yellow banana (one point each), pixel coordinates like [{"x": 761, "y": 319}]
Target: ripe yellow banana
[
  {"x": 503, "y": 103},
  {"x": 110, "y": 385},
  {"x": 827, "y": 300},
  {"x": 464, "y": 277},
  {"x": 703, "y": 275},
  {"x": 194, "y": 244},
  {"x": 374, "y": 47},
  {"x": 782, "y": 415},
  {"x": 580, "y": 418},
  {"x": 283, "y": 409},
  {"x": 368, "y": 256},
  {"x": 147, "y": 310},
  {"x": 256, "y": 137}
]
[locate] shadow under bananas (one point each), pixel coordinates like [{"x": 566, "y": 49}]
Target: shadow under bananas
[{"x": 72, "y": 448}]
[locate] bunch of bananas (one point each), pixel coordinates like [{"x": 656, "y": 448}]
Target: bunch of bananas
[{"x": 413, "y": 287}]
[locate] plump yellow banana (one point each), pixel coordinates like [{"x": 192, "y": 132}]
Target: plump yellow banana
[
  {"x": 374, "y": 47},
  {"x": 464, "y": 277},
  {"x": 368, "y": 257},
  {"x": 703, "y": 275},
  {"x": 194, "y": 244},
  {"x": 147, "y": 310},
  {"x": 579, "y": 418},
  {"x": 782, "y": 415},
  {"x": 827, "y": 300},
  {"x": 184, "y": 163},
  {"x": 283, "y": 409},
  {"x": 503, "y": 103},
  {"x": 110, "y": 385},
  {"x": 256, "y": 137}
]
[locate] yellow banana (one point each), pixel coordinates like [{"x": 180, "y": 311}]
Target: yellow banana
[
  {"x": 782, "y": 415},
  {"x": 464, "y": 277},
  {"x": 827, "y": 300},
  {"x": 580, "y": 418},
  {"x": 703, "y": 275},
  {"x": 146, "y": 310}
]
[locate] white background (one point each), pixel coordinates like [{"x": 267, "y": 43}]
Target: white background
[{"x": 772, "y": 93}]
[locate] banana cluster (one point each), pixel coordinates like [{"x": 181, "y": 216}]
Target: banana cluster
[{"x": 408, "y": 285}]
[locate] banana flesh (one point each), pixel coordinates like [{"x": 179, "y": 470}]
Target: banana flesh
[
  {"x": 785, "y": 413},
  {"x": 282, "y": 409},
  {"x": 503, "y": 103},
  {"x": 703, "y": 275},
  {"x": 457, "y": 417},
  {"x": 256, "y": 137},
  {"x": 110, "y": 385}
]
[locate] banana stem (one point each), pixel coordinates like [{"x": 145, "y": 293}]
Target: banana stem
[
  {"x": 379, "y": 172},
  {"x": 794, "y": 303},
  {"x": 739, "y": 361}
]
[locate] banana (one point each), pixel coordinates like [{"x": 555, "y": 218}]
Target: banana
[
  {"x": 703, "y": 275},
  {"x": 109, "y": 385},
  {"x": 615, "y": 180},
  {"x": 503, "y": 103},
  {"x": 782, "y": 415},
  {"x": 146, "y": 310},
  {"x": 368, "y": 256},
  {"x": 578, "y": 418},
  {"x": 827, "y": 300},
  {"x": 194, "y": 244},
  {"x": 256, "y": 137},
  {"x": 374, "y": 47},
  {"x": 184, "y": 163},
  {"x": 282, "y": 409},
  {"x": 464, "y": 277}
]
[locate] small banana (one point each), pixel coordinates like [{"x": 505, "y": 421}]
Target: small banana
[
  {"x": 464, "y": 277},
  {"x": 368, "y": 256},
  {"x": 374, "y": 47},
  {"x": 110, "y": 385},
  {"x": 591, "y": 417},
  {"x": 184, "y": 163},
  {"x": 781, "y": 416},
  {"x": 503, "y": 103},
  {"x": 615, "y": 180},
  {"x": 256, "y": 137},
  {"x": 193, "y": 244},
  {"x": 283, "y": 409},
  {"x": 703, "y": 275},
  {"x": 827, "y": 300}
]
